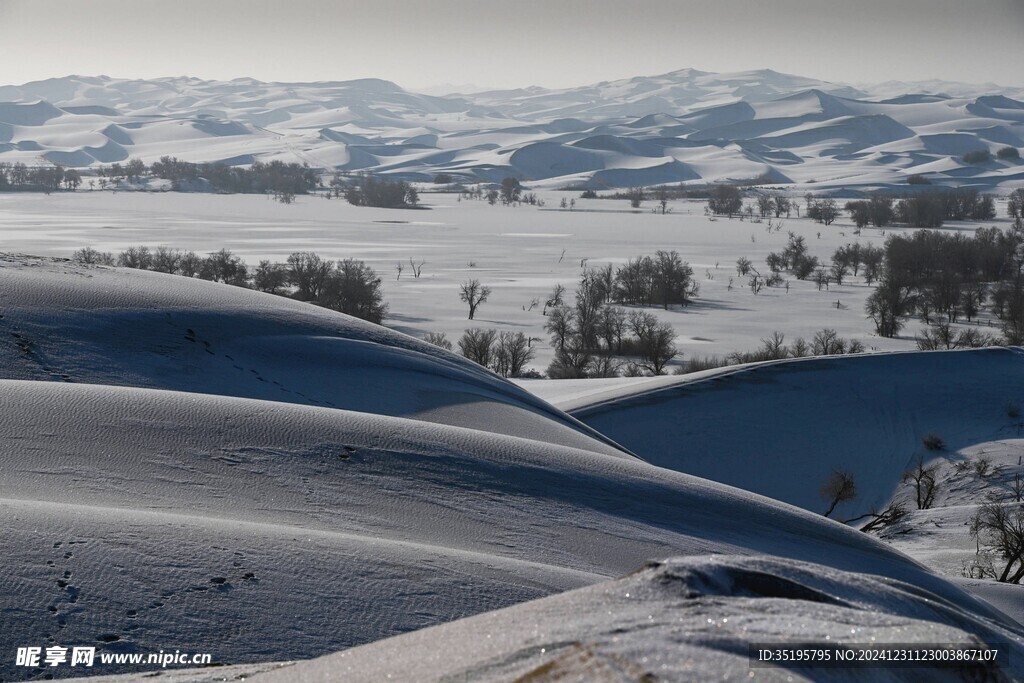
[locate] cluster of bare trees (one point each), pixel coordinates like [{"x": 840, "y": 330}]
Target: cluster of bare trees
[
  {"x": 725, "y": 199},
  {"x": 823, "y": 210},
  {"x": 348, "y": 286},
  {"x": 824, "y": 342},
  {"x": 506, "y": 353},
  {"x": 370, "y": 190},
  {"x": 997, "y": 526},
  {"x": 590, "y": 335},
  {"x": 794, "y": 258},
  {"x": 509, "y": 192},
  {"x": 942, "y": 277},
  {"x": 662, "y": 280}
]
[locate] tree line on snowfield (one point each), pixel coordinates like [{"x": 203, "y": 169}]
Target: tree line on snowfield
[
  {"x": 18, "y": 177},
  {"x": 348, "y": 286}
]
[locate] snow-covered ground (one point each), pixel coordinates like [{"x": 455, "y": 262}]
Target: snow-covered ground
[
  {"x": 779, "y": 428},
  {"x": 679, "y": 620},
  {"x": 521, "y": 253},
  {"x": 267, "y": 527}
]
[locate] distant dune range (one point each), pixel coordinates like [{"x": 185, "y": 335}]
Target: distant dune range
[{"x": 684, "y": 126}]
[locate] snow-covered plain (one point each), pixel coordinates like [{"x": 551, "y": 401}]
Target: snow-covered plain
[
  {"x": 144, "y": 518},
  {"x": 521, "y": 253}
]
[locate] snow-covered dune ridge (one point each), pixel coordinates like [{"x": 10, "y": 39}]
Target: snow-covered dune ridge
[
  {"x": 683, "y": 126},
  {"x": 66, "y": 321},
  {"x": 779, "y": 428},
  {"x": 138, "y": 518},
  {"x": 682, "y": 619}
]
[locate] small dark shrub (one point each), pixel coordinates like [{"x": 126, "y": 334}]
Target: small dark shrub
[
  {"x": 933, "y": 442},
  {"x": 978, "y": 156}
]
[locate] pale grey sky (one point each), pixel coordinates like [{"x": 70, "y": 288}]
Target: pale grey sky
[{"x": 512, "y": 43}]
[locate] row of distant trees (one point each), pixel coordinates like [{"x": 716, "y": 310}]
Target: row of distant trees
[
  {"x": 942, "y": 277},
  {"x": 19, "y": 177},
  {"x": 506, "y": 353},
  {"x": 275, "y": 176},
  {"x": 348, "y": 286},
  {"x": 928, "y": 209},
  {"x": 284, "y": 180}
]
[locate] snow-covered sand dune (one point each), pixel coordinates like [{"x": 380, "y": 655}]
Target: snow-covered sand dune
[
  {"x": 193, "y": 466},
  {"x": 780, "y": 428},
  {"x": 683, "y": 619},
  {"x": 137, "y": 519},
  {"x": 65, "y": 321},
  {"x": 279, "y": 530},
  {"x": 643, "y": 130}
]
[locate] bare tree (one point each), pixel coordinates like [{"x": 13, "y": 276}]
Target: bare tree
[
  {"x": 840, "y": 487},
  {"x": 511, "y": 354},
  {"x": 224, "y": 266},
  {"x": 135, "y": 257},
  {"x": 354, "y": 288},
  {"x": 554, "y": 299},
  {"x": 605, "y": 365},
  {"x": 661, "y": 194},
  {"x": 656, "y": 341},
  {"x": 635, "y": 195},
  {"x": 999, "y": 528},
  {"x": 838, "y": 272},
  {"x": 91, "y": 256},
  {"x": 270, "y": 277},
  {"x": 560, "y": 325},
  {"x": 743, "y": 266},
  {"x": 478, "y": 345},
  {"x": 922, "y": 479},
  {"x": 308, "y": 273},
  {"x": 166, "y": 260},
  {"x": 474, "y": 294},
  {"x": 827, "y": 343},
  {"x": 774, "y": 346},
  {"x": 417, "y": 268},
  {"x": 439, "y": 339},
  {"x": 893, "y": 513}
]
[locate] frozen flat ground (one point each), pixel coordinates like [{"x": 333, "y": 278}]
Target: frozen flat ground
[{"x": 520, "y": 253}]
